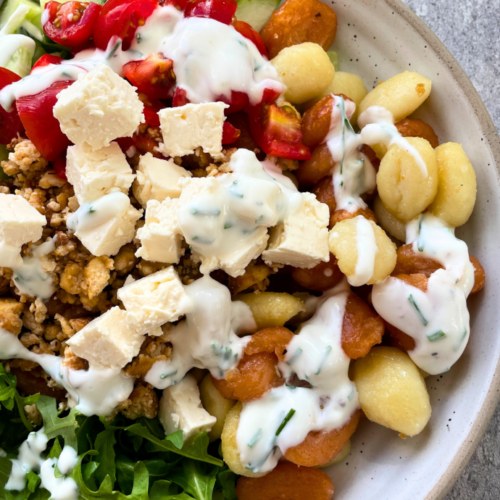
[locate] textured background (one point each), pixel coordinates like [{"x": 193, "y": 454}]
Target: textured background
[{"x": 471, "y": 31}]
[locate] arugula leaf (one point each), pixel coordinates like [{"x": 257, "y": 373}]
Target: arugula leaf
[
  {"x": 227, "y": 480},
  {"x": 197, "y": 451},
  {"x": 196, "y": 478},
  {"x": 105, "y": 446},
  {"x": 54, "y": 426}
]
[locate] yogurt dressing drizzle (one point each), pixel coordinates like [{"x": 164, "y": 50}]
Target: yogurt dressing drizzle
[
  {"x": 210, "y": 60},
  {"x": 438, "y": 320},
  {"x": 284, "y": 416},
  {"x": 236, "y": 209},
  {"x": 205, "y": 339},
  {"x": 367, "y": 251},
  {"x": 30, "y": 459}
]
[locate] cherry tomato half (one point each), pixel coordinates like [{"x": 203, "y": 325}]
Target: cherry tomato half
[
  {"x": 180, "y": 98},
  {"x": 70, "y": 24},
  {"x": 42, "y": 128},
  {"x": 59, "y": 166},
  {"x": 121, "y": 18},
  {"x": 45, "y": 60},
  {"x": 10, "y": 123},
  {"x": 230, "y": 133},
  {"x": 220, "y": 10},
  {"x": 151, "y": 108},
  {"x": 248, "y": 32},
  {"x": 153, "y": 76}
]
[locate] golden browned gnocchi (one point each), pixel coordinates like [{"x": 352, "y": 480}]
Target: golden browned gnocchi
[
  {"x": 340, "y": 457},
  {"x": 272, "y": 309},
  {"x": 401, "y": 95},
  {"x": 392, "y": 391},
  {"x": 388, "y": 222},
  {"x": 343, "y": 242},
  {"x": 402, "y": 185},
  {"x": 457, "y": 188},
  {"x": 216, "y": 405},
  {"x": 305, "y": 69},
  {"x": 229, "y": 446}
]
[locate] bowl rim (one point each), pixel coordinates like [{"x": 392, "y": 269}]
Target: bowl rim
[{"x": 492, "y": 140}]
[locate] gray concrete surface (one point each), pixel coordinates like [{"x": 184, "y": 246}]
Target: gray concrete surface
[{"x": 471, "y": 31}]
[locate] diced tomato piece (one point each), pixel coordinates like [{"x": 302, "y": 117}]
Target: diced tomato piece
[
  {"x": 180, "y": 98},
  {"x": 237, "y": 102},
  {"x": 143, "y": 144},
  {"x": 45, "y": 60},
  {"x": 154, "y": 76},
  {"x": 270, "y": 96},
  {"x": 121, "y": 18},
  {"x": 220, "y": 10},
  {"x": 241, "y": 122},
  {"x": 230, "y": 134},
  {"x": 42, "y": 128},
  {"x": 277, "y": 131},
  {"x": 151, "y": 108},
  {"x": 70, "y": 24},
  {"x": 89, "y": 44},
  {"x": 59, "y": 166},
  {"x": 248, "y": 32},
  {"x": 10, "y": 123}
]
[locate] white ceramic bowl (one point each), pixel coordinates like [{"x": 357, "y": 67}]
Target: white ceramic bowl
[{"x": 377, "y": 39}]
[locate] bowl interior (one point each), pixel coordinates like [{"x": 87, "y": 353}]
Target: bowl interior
[{"x": 375, "y": 41}]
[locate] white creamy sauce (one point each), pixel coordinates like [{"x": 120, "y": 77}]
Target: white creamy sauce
[
  {"x": 238, "y": 209},
  {"x": 210, "y": 60},
  {"x": 367, "y": 251},
  {"x": 437, "y": 320},
  {"x": 60, "y": 488},
  {"x": 205, "y": 339},
  {"x": 96, "y": 391},
  {"x": 31, "y": 278},
  {"x": 242, "y": 320},
  {"x": 96, "y": 213},
  {"x": 29, "y": 459},
  {"x": 284, "y": 416}
]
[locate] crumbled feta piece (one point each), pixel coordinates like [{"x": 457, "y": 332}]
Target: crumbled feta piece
[
  {"x": 156, "y": 299},
  {"x": 181, "y": 408},
  {"x": 96, "y": 173},
  {"x": 302, "y": 239},
  {"x": 105, "y": 225},
  {"x": 187, "y": 127},
  {"x": 161, "y": 236},
  {"x": 109, "y": 341},
  {"x": 157, "y": 179},
  {"x": 98, "y": 108},
  {"x": 20, "y": 223}
]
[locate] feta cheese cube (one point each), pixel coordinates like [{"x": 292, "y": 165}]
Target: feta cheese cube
[
  {"x": 157, "y": 179},
  {"x": 98, "y": 108},
  {"x": 187, "y": 127},
  {"x": 109, "y": 341},
  {"x": 20, "y": 223},
  {"x": 302, "y": 239},
  {"x": 105, "y": 225},
  {"x": 156, "y": 299},
  {"x": 181, "y": 408},
  {"x": 161, "y": 236},
  {"x": 96, "y": 173}
]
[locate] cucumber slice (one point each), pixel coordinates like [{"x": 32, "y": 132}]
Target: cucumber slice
[
  {"x": 256, "y": 12},
  {"x": 34, "y": 14},
  {"x": 334, "y": 58},
  {"x": 20, "y": 61}
]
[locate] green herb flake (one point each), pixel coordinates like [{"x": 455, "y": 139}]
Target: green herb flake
[
  {"x": 436, "y": 336},
  {"x": 295, "y": 356},
  {"x": 419, "y": 312},
  {"x": 328, "y": 350},
  {"x": 255, "y": 438},
  {"x": 167, "y": 375},
  {"x": 290, "y": 414},
  {"x": 91, "y": 209}
]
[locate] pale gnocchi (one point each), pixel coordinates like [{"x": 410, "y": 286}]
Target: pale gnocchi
[{"x": 388, "y": 222}]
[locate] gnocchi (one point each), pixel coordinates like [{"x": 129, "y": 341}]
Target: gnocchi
[
  {"x": 402, "y": 186},
  {"x": 456, "y": 194},
  {"x": 305, "y": 69},
  {"x": 392, "y": 391},
  {"x": 388, "y": 222},
  {"x": 216, "y": 405},
  {"x": 272, "y": 309},
  {"x": 343, "y": 242},
  {"x": 401, "y": 95}
]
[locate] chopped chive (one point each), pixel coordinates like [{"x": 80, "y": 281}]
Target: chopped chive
[
  {"x": 341, "y": 183},
  {"x": 291, "y": 386},
  {"x": 202, "y": 240},
  {"x": 420, "y": 315},
  {"x": 295, "y": 356},
  {"x": 207, "y": 212},
  {"x": 259, "y": 219},
  {"x": 328, "y": 350},
  {"x": 290, "y": 414},
  {"x": 436, "y": 336},
  {"x": 138, "y": 37},
  {"x": 166, "y": 375},
  {"x": 227, "y": 353},
  {"x": 113, "y": 50},
  {"x": 420, "y": 244},
  {"x": 91, "y": 209},
  {"x": 228, "y": 225},
  {"x": 255, "y": 438}
]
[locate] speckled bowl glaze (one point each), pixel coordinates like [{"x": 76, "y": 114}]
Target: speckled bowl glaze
[{"x": 377, "y": 39}]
